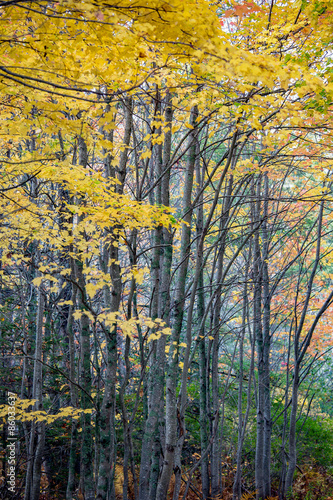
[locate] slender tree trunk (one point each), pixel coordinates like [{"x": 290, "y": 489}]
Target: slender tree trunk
[
  {"x": 285, "y": 425},
  {"x": 216, "y": 445},
  {"x": 171, "y": 420},
  {"x": 161, "y": 269},
  {"x": 107, "y": 424},
  {"x": 38, "y": 395},
  {"x": 29, "y": 430},
  {"x": 257, "y": 324},
  {"x": 292, "y": 433},
  {"x": 215, "y": 415},
  {"x": 266, "y": 348},
  {"x": 125, "y": 417},
  {"x": 242, "y": 420},
  {"x": 74, "y": 400},
  {"x": 202, "y": 351},
  {"x": 86, "y": 459},
  {"x": 300, "y": 348},
  {"x": 106, "y": 471}
]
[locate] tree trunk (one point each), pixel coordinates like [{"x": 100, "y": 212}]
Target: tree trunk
[
  {"x": 216, "y": 484},
  {"x": 300, "y": 349},
  {"x": 38, "y": 395},
  {"x": 202, "y": 351},
  {"x": 266, "y": 348},
  {"x": 257, "y": 326},
  {"x": 106, "y": 471},
  {"x": 74, "y": 400},
  {"x": 171, "y": 377},
  {"x": 242, "y": 420},
  {"x": 161, "y": 269}
]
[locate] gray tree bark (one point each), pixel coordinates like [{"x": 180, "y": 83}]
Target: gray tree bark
[
  {"x": 242, "y": 420},
  {"x": 171, "y": 376},
  {"x": 74, "y": 397},
  {"x": 204, "y": 439},
  {"x": 161, "y": 271},
  {"x": 266, "y": 346},
  {"x": 106, "y": 470},
  {"x": 257, "y": 327},
  {"x": 36, "y": 468}
]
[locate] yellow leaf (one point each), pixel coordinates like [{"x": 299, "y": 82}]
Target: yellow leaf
[{"x": 146, "y": 154}]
